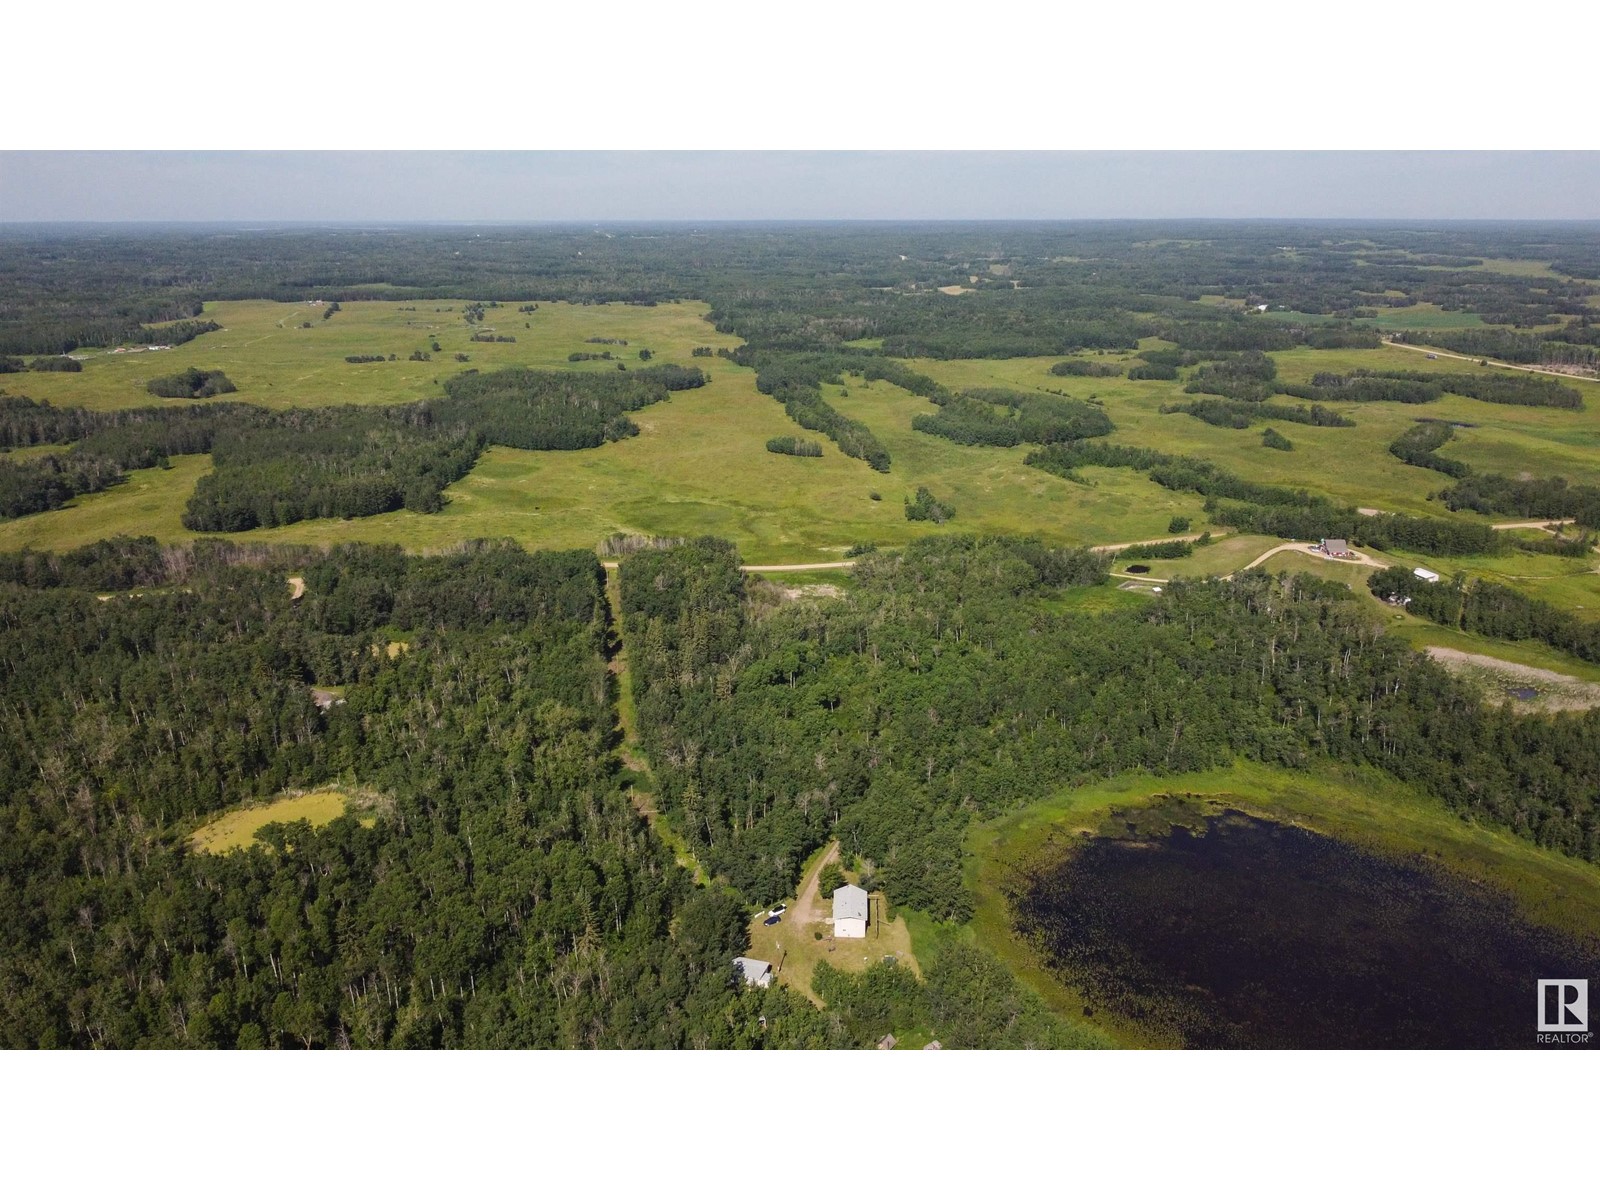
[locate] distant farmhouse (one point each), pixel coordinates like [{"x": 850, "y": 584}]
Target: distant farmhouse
[
  {"x": 1335, "y": 548},
  {"x": 754, "y": 972},
  {"x": 849, "y": 912}
]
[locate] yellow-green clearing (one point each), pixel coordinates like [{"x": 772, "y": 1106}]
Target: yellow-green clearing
[{"x": 236, "y": 830}]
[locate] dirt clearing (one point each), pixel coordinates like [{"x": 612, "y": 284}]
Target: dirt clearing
[{"x": 1510, "y": 683}]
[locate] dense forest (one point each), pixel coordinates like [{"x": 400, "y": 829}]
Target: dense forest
[
  {"x": 504, "y": 893},
  {"x": 1016, "y": 289},
  {"x": 995, "y": 417},
  {"x": 508, "y": 895},
  {"x": 940, "y": 691}
]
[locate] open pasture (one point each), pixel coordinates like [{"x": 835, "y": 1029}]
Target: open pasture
[
  {"x": 275, "y": 362},
  {"x": 700, "y": 465}
]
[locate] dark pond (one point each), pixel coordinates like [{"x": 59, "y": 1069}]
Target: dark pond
[
  {"x": 1524, "y": 693},
  {"x": 1246, "y": 933},
  {"x": 1138, "y": 569}
]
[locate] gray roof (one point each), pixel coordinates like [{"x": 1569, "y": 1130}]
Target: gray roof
[
  {"x": 752, "y": 969},
  {"x": 1337, "y": 546},
  {"x": 849, "y": 901}
]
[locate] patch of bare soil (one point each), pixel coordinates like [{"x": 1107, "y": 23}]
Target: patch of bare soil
[
  {"x": 1553, "y": 692},
  {"x": 813, "y": 591}
]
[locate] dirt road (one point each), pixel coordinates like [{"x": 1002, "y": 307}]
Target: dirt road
[
  {"x": 804, "y": 910},
  {"x": 1468, "y": 358},
  {"x": 1356, "y": 556},
  {"x": 843, "y": 565}
]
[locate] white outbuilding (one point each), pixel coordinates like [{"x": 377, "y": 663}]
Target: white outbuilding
[
  {"x": 754, "y": 972},
  {"x": 1425, "y": 574},
  {"x": 849, "y": 912}
]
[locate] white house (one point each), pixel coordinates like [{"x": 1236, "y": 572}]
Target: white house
[
  {"x": 1424, "y": 573},
  {"x": 754, "y": 972},
  {"x": 849, "y": 912}
]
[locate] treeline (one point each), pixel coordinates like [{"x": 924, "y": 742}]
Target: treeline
[
  {"x": 502, "y": 893},
  {"x": 1424, "y": 387},
  {"x": 1082, "y": 366},
  {"x": 62, "y": 338},
  {"x": 1248, "y": 376},
  {"x": 926, "y": 507},
  {"x": 1288, "y": 513},
  {"x": 1554, "y": 498},
  {"x": 556, "y": 410},
  {"x": 106, "y": 445},
  {"x": 50, "y": 480},
  {"x": 349, "y": 461},
  {"x": 1034, "y": 288},
  {"x": 941, "y": 690},
  {"x": 1273, "y": 440},
  {"x": 1363, "y": 388},
  {"x": 1534, "y": 497},
  {"x": 1160, "y": 550},
  {"x": 1419, "y": 444},
  {"x": 1492, "y": 610},
  {"x": 995, "y": 417},
  {"x": 1384, "y": 531},
  {"x": 191, "y": 384},
  {"x": 1007, "y": 324},
  {"x": 794, "y": 381},
  {"x": 799, "y": 447},
  {"x": 1523, "y": 388},
  {"x": 1573, "y": 345},
  {"x": 1240, "y": 414},
  {"x": 1247, "y": 334},
  {"x": 57, "y": 362}
]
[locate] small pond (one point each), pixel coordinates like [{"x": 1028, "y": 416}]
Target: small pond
[{"x": 1230, "y": 931}]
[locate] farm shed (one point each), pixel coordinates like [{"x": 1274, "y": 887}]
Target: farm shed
[
  {"x": 849, "y": 912},
  {"x": 1424, "y": 573},
  {"x": 754, "y": 972}
]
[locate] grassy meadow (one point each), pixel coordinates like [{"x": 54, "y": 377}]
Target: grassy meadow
[
  {"x": 277, "y": 364},
  {"x": 700, "y": 465}
]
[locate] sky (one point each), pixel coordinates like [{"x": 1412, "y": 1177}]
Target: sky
[{"x": 508, "y": 186}]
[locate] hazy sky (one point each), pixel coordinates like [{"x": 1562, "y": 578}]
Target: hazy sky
[{"x": 701, "y": 185}]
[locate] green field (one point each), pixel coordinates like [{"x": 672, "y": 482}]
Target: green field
[
  {"x": 1363, "y": 807},
  {"x": 700, "y": 466},
  {"x": 1351, "y": 465},
  {"x": 274, "y": 362}
]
